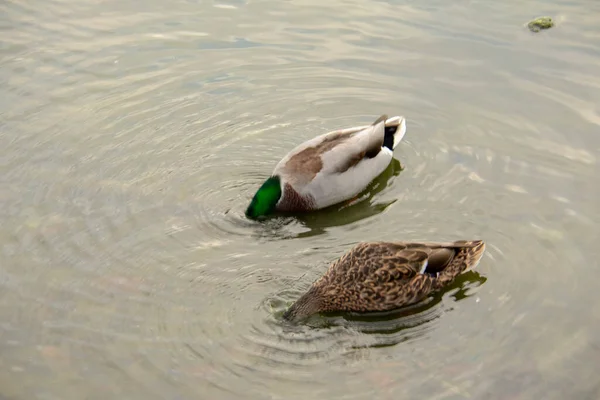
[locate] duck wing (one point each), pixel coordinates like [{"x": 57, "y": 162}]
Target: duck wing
[
  {"x": 376, "y": 263},
  {"x": 333, "y": 152}
]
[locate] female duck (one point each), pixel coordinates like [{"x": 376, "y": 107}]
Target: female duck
[
  {"x": 382, "y": 276},
  {"x": 329, "y": 169}
]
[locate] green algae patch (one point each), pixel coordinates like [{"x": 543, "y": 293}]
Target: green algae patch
[{"x": 536, "y": 25}]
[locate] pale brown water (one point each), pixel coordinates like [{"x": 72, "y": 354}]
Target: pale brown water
[{"x": 133, "y": 134}]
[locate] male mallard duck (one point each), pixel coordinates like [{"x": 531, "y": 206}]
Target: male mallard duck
[
  {"x": 329, "y": 169},
  {"x": 383, "y": 276}
]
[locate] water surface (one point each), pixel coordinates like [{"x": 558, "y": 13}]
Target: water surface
[{"x": 133, "y": 135}]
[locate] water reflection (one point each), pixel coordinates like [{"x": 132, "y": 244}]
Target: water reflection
[{"x": 365, "y": 206}]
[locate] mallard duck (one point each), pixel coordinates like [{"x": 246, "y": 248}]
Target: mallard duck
[
  {"x": 329, "y": 169},
  {"x": 382, "y": 276}
]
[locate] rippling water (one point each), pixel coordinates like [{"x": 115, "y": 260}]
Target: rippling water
[{"x": 132, "y": 136}]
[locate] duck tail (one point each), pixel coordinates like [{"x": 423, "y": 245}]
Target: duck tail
[
  {"x": 395, "y": 128},
  {"x": 474, "y": 252},
  {"x": 467, "y": 256}
]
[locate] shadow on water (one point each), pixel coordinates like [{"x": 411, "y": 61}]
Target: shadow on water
[
  {"x": 317, "y": 222},
  {"x": 349, "y": 212},
  {"x": 385, "y": 328}
]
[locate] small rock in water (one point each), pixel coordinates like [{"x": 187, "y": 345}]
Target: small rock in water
[{"x": 540, "y": 23}]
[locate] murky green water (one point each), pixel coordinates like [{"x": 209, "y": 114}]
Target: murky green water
[{"x": 132, "y": 136}]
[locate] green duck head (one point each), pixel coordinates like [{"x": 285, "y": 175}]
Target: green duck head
[{"x": 265, "y": 200}]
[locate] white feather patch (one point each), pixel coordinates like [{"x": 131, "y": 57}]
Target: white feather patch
[
  {"x": 424, "y": 267},
  {"x": 328, "y": 189}
]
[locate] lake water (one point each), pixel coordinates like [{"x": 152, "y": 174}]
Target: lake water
[{"x": 133, "y": 135}]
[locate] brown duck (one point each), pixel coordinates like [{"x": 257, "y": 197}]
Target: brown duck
[{"x": 382, "y": 276}]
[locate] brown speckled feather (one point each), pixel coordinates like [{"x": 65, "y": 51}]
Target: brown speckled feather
[
  {"x": 382, "y": 276},
  {"x": 308, "y": 163}
]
